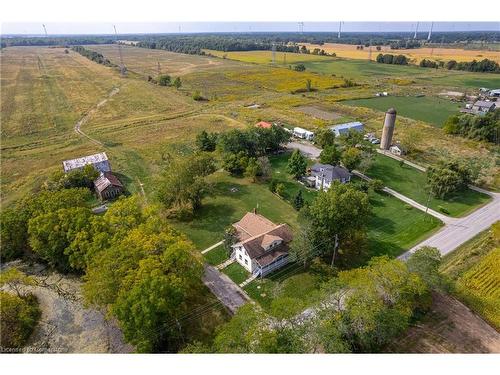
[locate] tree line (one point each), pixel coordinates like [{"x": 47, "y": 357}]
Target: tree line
[
  {"x": 392, "y": 59},
  {"x": 93, "y": 55},
  {"x": 481, "y": 128}
]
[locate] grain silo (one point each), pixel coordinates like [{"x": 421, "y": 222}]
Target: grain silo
[{"x": 388, "y": 130}]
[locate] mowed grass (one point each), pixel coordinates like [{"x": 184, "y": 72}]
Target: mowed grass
[
  {"x": 236, "y": 272},
  {"x": 412, "y": 183},
  {"x": 231, "y": 199},
  {"x": 395, "y": 227},
  {"x": 292, "y": 187},
  {"x": 432, "y": 110},
  {"x": 473, "y": 268}
]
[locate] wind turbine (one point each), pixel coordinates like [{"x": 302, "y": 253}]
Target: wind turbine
[
  {"x": 340, "y": 29},
  {"x": 45, "y": 29},
  {"x": 416, "y": 31},
  {"x": 430, "y": 32}
]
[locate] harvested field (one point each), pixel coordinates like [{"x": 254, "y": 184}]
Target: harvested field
[
  {"x": 145, "y": 61},
  {"x": 266, "y": 57},
  {"x": 416, "y": 54},
  {"x": 450, "y": 327}
]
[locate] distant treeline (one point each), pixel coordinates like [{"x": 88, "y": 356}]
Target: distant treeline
[
  {"x": 392, "y": 59},
  {"x": 197, "y": 43},
  {"x": 56, "y": 41},
  {"x": 193, "y": 43},
  {"x": 483, "y": 128},
  {"x": 483, "y": 66},
  {"x": 92, "y": 55}
]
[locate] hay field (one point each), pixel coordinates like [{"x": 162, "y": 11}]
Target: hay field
[
  {"x": 444, "y": 54},
  {"x": 145, "y": 61}
]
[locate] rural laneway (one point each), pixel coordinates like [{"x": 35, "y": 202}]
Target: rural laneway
[
  {"x": 456, "y": 231},
  {"x": 86, "y": 117},
  {"x": 230, "y": 294}
]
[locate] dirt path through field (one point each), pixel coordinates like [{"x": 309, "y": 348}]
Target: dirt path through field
[{"x": 90, "y": 113}]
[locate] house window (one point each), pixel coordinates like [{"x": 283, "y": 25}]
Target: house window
[
  {"x": 246, "y": 261},
  {"x": 240, "y": 257}
]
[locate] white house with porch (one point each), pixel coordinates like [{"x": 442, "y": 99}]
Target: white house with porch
[{"x": 262, "y": 246}]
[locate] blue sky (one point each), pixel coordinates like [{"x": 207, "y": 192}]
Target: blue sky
[{"x": 33, "y": 28}]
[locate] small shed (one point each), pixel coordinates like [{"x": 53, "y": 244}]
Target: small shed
[{"x": 108, "y": 186}]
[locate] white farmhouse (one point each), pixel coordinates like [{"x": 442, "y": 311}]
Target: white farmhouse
[
  {"x": 326, "y": 174},
  {"x": 262, "y": 246}
]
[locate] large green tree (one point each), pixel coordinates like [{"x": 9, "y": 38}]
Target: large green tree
[
  {"x": 297, "y": 164},
  {"x": 330, "y": 155}
]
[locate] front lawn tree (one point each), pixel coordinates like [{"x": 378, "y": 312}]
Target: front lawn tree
[
  {"x": 330, "y": 155},
  {"x": 337, "y": 221},
  {"x": 351, "y": 158},
  {"x": 297, "y": 164},
  {"x": 324, "y": 137},
  {"x": 449, "y": 176}
]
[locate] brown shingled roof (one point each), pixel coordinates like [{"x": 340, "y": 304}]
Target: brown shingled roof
[
  {"x": 251, "y": 225},
  {"x": 254, "y": 247}
]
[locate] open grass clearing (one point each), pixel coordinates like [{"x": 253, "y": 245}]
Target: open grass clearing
[
  {"x": 412, "y": 183},
  {"x": 216, "y": 256},
  {"x": 432, "y": 110}
]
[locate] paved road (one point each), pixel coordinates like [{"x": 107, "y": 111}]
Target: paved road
[
  {"x": 463, "y": 229},
  {"x": 230, "y": 294}
]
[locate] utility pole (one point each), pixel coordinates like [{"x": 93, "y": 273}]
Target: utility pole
[
  {"x": 335, "y": 249},
  {"x": 370, "y": 51},
  {"x": 123, "y": 70},
  {"x": 159, "y": 69},
  {"x": 273, "y": 48},
  {"x": 284, "y": 58}
]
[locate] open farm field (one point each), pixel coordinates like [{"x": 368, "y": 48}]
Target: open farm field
[
  {"x": 416, "y": 54},
  {"x": 145, "y": 61},
  {"x": 432, "y": 110},
  {"x": 412, "y": 183},
  {"x": 266, "y": 57}
]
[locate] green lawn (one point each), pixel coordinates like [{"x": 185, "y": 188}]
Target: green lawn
[
  {"x": 216, "y": 256},
  {"x": 236, "y": 272},
  {"x": 432, "y": 110},
  {"x": 280, "y": 174},
  {"x": 412, "y": 183},
  {"x": 395, "y": 227},
  {"x": 231, "y": 199}
]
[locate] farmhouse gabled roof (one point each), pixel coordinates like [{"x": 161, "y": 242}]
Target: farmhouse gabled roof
[
  {"x": 257, "y": 246},
  {"x": 330, "y": 172},
  {"x": 251, "y": 225},
  {"x": 105, "y": 180}
]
